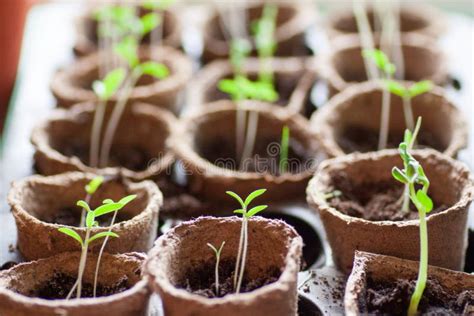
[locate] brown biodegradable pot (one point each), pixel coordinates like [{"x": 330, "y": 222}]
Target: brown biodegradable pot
[
  {"x": 39, "y": 287},
  {"x": 206, "y": 148},
  {"x": 73, "y": 84},
  {"x": 293, "y": 82},
  {"x": 87, "y": 39},
  {"x": 62, "y": 142},
  {"x": 420, "y": 19},
  {"x": 292, "y": 21},
  {"x": 361, "y": 177},
  {"x": 350, "y": 121},
  {"x": 274, "y": 253},
  {"x": 41, "y": 205},
  {"x": 374, "y": 276},
  {"x": 344, "y": 65}
]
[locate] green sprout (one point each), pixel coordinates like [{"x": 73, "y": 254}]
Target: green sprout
[
  {"x": 243, "y": 242},
  {"x": 91, "y": 222},
  {"x": 124, "y": 201},
  {"x": 90, "y": 189},
  {"x": 217, "y": 252},
  {"x": 104, "y": 90},
  {"x": 408, "y": 93},
  {"x": 412, "y": 175},
  {"x": 388, "y": 69},
  {"x": 284, "y": 146}
]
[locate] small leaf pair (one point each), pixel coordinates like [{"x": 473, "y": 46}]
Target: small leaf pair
[
  {"x": 244, "y": 204},
  {"x": 408, "y": 92}
]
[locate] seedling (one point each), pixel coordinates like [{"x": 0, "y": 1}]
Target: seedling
[
  {"x": 217, "y": 252},
  {"x": 407, "y": 94},
  {"x": 411, "y": 175},
  {"x": 91, "y": 222},
  {"x": 243, "y": 242},
  {"x": 284, "y": 146},
  {"x": 124, "y": 201},
  {"x": 383, "y": 63},
  {"x": 90, "y": 189}
]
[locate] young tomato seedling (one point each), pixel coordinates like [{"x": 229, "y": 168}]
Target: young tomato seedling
[
  {"x": 243, "y": 242},
  {"x": 217, "y": 252},
  {"x": 90, "y": 189},
  {"x": 88, "y": 239},
  {"x": 411, "y": 175},
  {"x": 407, "y": 94},
  {"x": 388, "y": 69},
  {"x": 284, "y": 147}
]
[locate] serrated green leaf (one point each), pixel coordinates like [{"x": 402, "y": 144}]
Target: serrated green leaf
[
  {"x": 253, "y": 196},
  {"x": 107, "y": 208},
  {"x": 128, "y": 50},
  {"x": 94, "y": 184},
  {"x": 255, "y": 210},
  {"x": 154, "y": 69},
  {"x": 102, "y": 235},
  {"x": 148, "y": 22},
  {"x": 235, "y": 196},
  {"x": 71, "y": 233},
  {"x": 420, "y": 88}
]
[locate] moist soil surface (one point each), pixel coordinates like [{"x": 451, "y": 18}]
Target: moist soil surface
[
  {"x": 374, "y": 201},
  {"x": 59, "y": 286},
  {"x": 393, "y": 298},
  {"x": 130, "y": 157},
  {"x": 72, "y": 217},
  {"x": 265, "y": 159},
  {"x": 201, "y": 280},
  {"x": 356, "y": 139}
]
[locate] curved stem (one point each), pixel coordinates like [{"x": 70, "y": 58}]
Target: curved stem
[
  {"x": 408, "y": 113},
  {"x": 239, "y": 254},
  {"x": 82, "y": 263},
  {"x": 250, "y": 137},
  {"x": 95, "y": 134},
  {"x": 244, "y": 257}
]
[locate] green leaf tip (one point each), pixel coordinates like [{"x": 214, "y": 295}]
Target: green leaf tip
[{"x": 94, "y": 184}]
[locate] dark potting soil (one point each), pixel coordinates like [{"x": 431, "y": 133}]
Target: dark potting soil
[
  {"x": 130, "y": 157},
  {"x": 374, "y": 201},
  {"x": 72, "y": 217},
  {"x": 357, "y": 139},
  {"x": 265, "y": 159},
  {"x": 383, "y": 298},
  {"x": 201, "y": 280},
  {"x": 60, "y": 284}
]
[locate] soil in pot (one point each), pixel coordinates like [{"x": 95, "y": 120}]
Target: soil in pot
[
  {"x": 201, "y": 280},
  {"x": 307, "y": 307},
  {"x": 469, "y": 265},
  {"x": 392, "y": 298}
]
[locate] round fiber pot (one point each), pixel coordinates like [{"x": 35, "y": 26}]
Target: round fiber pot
[
  {"x": 181, "y": 255},
  {"x": 41, "y": 205},
  {"x": 73, "y": 84},
  {"x": 139, "y": 150},
  {"x": 367, "y": 217},
  {"x": 87, "y": 38},
  {"x": 344, "y": 65},
  {"x": 383, "y": 285},
  {"x": 292, "y": 21},
  {"x": 293, "y": 82},
  {"x": 39, "y": 287},
  {"x": 350, "y": 121},
  {"x": 206, "y": 147},
  {"x": 418, "y": 19}
]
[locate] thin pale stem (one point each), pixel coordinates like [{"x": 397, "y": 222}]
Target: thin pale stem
[
  {"x": 398, "y": 58},
  {"x": 241, "y": 118},
  {"x": 244, "y": 257},
  {"x": 74, "y": 287},
  {"x": 408, "y": 113},
  {"x": 101, "y": 251},
  {"x": 218, "y": 257},
  {"x": 384, "y": 120},
  {"x": 82, "y": 263},
  {"x": 115, "y": 118},
  {"x": 406, "y": 199},
  {"x": 239, "y": 254},
  {"x": 365, "y": 37},
  {"x": 250, "y": 137},
  {"x": 95, "y": 134}
]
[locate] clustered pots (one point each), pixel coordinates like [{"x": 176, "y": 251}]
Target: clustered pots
[
  {"x": 41, "y": 205},
  {"x": 39, "y": 287},
  {"x": 350, "y": 121},
  {"x": 73, "y": 84},
  {"x": 62, "y": 142},
  {"x": 291, "y": 23},
  {"x": 206, "y": 149},
  {"x": 383, "y": 285},
  {"x": 293, "y": 82},
  {"x": 178, "y": 267},
  {"x": 367, "y": 216},
  {"x": 87, "y": 41}
]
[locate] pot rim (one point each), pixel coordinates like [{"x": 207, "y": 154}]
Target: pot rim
[
  {"x": 40, "y": 140},
  {"x": 281, "y": 284},
  {"x": 183, "y": 148},
  {"x": 15, "y": 199},
  {"x": 24, "y": 300},
  {"x": 320, "y": 119},
  {"x": 313, "y": 197}
]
